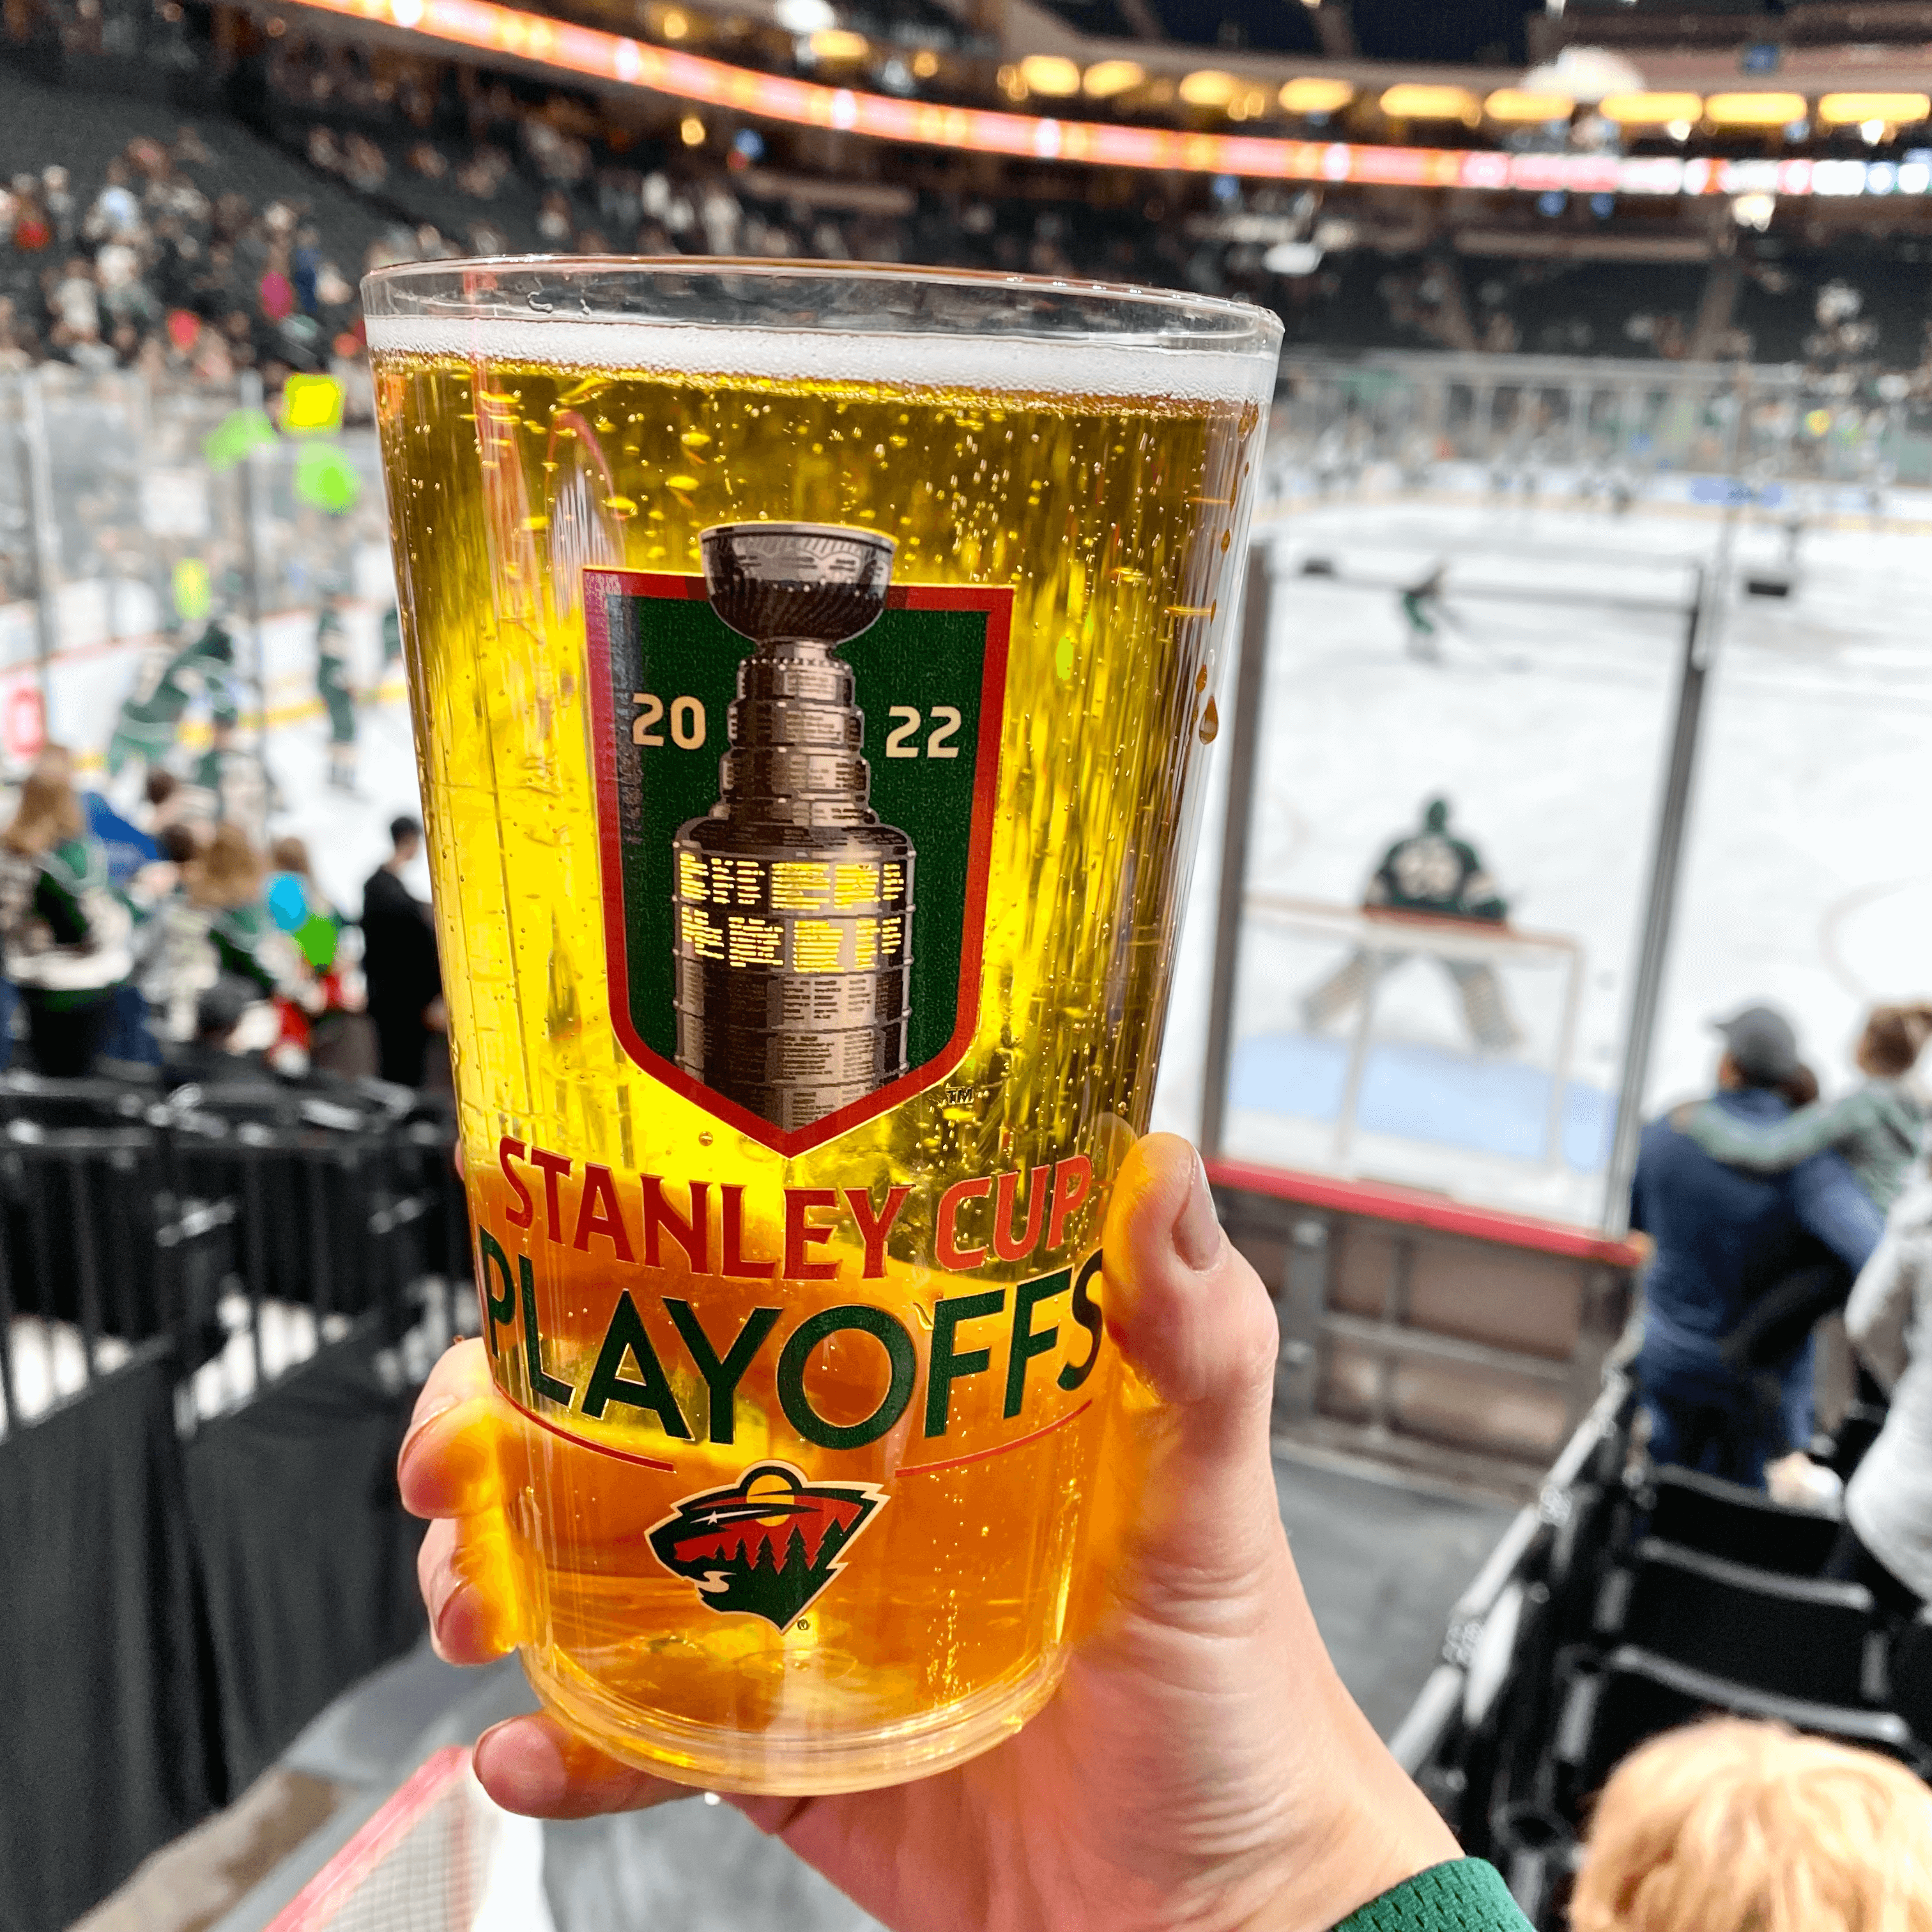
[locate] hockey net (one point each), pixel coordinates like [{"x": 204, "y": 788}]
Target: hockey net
[{"x": 1436, "y": 1052}]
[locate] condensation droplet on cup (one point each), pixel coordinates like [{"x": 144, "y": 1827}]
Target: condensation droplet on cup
[
  {"x": 704, "y": 1140},
  {"x": 1210, "y": 724}
]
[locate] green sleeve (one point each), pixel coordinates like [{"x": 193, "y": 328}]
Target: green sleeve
[
  {"x": 1466, "y": 1895},
  {"x": 58, "y": 906},
  {"x": 66, "y": 874},
  {"x": 1777, "y": 1144}
]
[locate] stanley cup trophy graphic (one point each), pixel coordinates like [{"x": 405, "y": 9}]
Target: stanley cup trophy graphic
[{"x": 793, "y": 903}]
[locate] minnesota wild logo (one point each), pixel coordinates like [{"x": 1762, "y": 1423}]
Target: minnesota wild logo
[{"x": 769, "y": 1545}]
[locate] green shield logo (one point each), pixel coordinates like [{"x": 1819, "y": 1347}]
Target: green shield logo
[{"x": 795, "y": 762}]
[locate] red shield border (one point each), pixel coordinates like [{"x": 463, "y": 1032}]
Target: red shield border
[{"x": 997, "y": 603}]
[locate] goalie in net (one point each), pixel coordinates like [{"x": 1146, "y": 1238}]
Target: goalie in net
[{"x": 1428, "y": 876}]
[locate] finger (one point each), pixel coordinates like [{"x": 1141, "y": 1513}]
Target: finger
[
  {"x": 464, "y": 1571},
  {"x": 1197, "y": 1331},
  {"x": 448, "y": 1463},
  {"x": 1189, "y": 1311},
  {"x": 533, "y": 1766}
]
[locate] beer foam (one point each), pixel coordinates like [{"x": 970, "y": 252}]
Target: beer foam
[{"x": 1042, "y": 366}]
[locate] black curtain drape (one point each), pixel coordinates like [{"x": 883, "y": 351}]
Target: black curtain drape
[
  {"x": 307, "y": 1561},
  {"x": 105, "y": 1750}
]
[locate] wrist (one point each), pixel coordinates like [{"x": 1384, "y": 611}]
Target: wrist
[{"x": 1376, "y": 1832}]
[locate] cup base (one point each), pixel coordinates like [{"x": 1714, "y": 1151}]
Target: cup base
[{"x": 807, "y": 1764}]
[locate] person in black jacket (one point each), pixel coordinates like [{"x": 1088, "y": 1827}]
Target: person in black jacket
[{"x": 400, "y": 963}]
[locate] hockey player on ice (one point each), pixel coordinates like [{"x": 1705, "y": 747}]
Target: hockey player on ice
[
  {"x": 232, "y": 784},
  {"x": 1422, "y": 611},
  {"x": 164, "y": 686},
  {"x": 1428, "y": 876},
  {"x": 332, "y": 687}
]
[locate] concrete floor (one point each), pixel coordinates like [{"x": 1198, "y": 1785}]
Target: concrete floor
[{"x": 1382, "y": 1562}]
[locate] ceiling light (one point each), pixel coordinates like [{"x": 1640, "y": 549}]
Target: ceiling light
[
  {"x": 1650, "y": 110},
  {"x": 1312, "y": 95},
  {"x": 839, "y": 43},
  {"x": 1051, "y": 74},
  {"x": 1208, "y": 87},
  {"x": 1410, "y": 101},
  {"x": 1105, "y": 79},
  {"x": 1894, "y": 110},
  {"x": 1517, "y": 103},
  {"x": 1754, "y": 110}
]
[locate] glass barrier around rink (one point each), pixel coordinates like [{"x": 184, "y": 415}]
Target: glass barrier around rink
[
  {"x": 1806, "y": 881},
  {"x": 19, "y": 641},
  {"x": 321, "y": 535},
  {"x": 1466, "y": 704},
  {"x": 148, "y": 513},
  {"x": 96, "y": 428},
  {"x": 1810, "y": 442}
]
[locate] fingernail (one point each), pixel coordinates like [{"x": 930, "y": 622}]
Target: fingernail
[
  {"x": 1197, "y": 1228},
  {"x": 441, "y": 1406}
]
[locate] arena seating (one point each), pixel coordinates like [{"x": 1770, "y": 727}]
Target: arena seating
[
  {"x": 1791, "y": 1637},
  {"x": 1628, "y": 1601},
  {"x": 215, "y": 1306},
  {"x": 1633, "y": 1694},
  {"x": 1699, "y": 1512}
]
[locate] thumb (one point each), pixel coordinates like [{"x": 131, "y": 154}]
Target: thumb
[{"x": 1198, "y": 1337}]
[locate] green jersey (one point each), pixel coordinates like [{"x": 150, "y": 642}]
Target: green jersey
[{"x": 66, "y": 932}]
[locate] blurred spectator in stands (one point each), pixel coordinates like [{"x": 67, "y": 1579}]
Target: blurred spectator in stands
[
  {"x": 57, "y": 198},
  {"x": 1886, "y": 1543},
  {"x": 166, "y": 799},
  {"x": 399, "y": 961},
  {"x": 300, "y": 909},
  {"x": 230, "y": 1023},
  {"x": 1878, "y": 1127},
  {"x": 15, "y": 343},
  {"x": 66, "y": 935},
  {"x": 226, "y": 880},
  {"x": 1724, "y": 1239},
  {"x": 116, "y": 215},
  {"x": 31, "y": 230},
  {"x": 1730, "y": 1826}
]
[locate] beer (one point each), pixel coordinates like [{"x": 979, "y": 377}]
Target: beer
[{"x": 810, "y": 726}]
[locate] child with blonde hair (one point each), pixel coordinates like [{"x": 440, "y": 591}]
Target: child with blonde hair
[{"x": 1732, "y": 1826}]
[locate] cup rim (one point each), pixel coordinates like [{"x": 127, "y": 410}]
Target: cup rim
[{"x": 397, "y": 299}]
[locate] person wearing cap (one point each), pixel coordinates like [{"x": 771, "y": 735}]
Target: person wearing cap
[{"x": 1725, "y": 1239}]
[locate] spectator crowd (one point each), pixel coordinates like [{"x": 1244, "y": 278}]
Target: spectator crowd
[
  {"x": 174, "y": 259},
  {"x": 1769, "y": 1209},
  {"x": 171, "y": 941}
]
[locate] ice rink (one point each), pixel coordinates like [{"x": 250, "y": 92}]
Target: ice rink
[{"x": 1806, "y": 882}]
